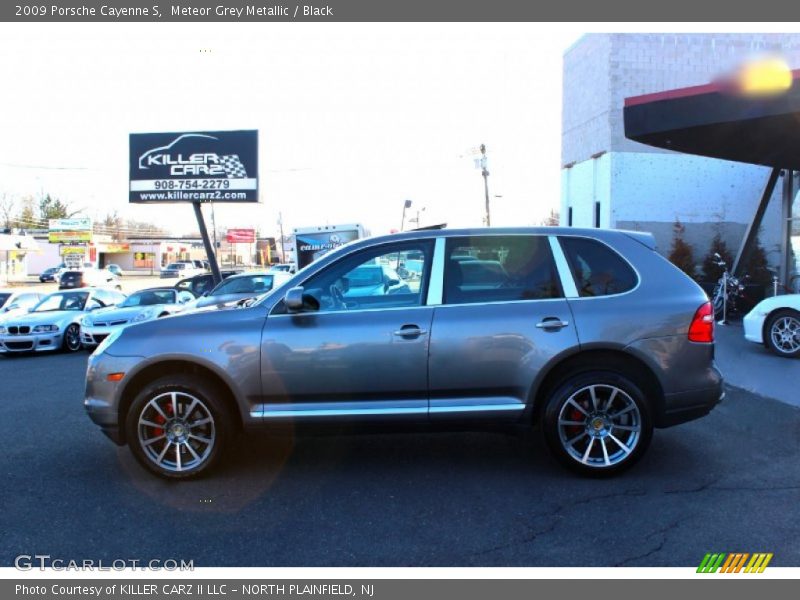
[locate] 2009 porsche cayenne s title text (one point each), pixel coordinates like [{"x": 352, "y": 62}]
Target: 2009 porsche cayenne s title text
[{"x": 590, "y": 334}]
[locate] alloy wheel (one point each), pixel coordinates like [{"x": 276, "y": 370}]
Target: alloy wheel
[
  {"x": 600, "y": 426},
  {"x": 785, "y": 334},
  {"x": 176, "y": 431}
]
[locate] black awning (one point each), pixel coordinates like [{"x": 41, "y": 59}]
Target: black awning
[{"x": 713, "y": 120}]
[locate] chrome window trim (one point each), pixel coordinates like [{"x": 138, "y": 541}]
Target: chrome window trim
[
  {"x": 348, "y": 312},
  {"x": 562, "y": 266},
  {"x": 436, "y": 279}
]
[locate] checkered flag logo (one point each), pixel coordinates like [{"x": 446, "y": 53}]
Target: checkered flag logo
[{"x": 234, "y": 169}]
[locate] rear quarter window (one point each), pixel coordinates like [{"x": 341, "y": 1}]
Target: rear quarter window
[{"x": 596, "y": 268}]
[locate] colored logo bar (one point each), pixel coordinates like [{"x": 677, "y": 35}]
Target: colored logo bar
[{"x": 735, "y": 562}]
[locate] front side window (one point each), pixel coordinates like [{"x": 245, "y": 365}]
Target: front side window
[
  {"x": 386, "y": 277},
  {"x": 596, "y": 268},
  {"x": 499, "y": 268}
]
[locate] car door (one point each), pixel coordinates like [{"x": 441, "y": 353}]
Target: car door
[
  {"x": 503, "y": 317},
  {"x": 362, "y": 357}
]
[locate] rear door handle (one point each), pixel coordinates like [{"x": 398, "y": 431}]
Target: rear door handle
[
  {"x": 409, "y": 331},
  {"x": 552, "y": 323}
]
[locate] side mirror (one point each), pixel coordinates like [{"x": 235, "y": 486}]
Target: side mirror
[
  {"x": 294, "y": 299},
  {"x": 392, "y": 282}
]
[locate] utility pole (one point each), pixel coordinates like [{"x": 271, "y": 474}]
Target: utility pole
[
  {"x": 406, "y": 204},
  {"x": 283, "y": 247},
  {"x": 485, "y": 173}
]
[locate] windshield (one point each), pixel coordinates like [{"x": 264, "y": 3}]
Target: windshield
[
  {"x": 251, "y": 284},
  {"x": 148, "y": 298},
  {"x": 70, "y": 301},
  {"x": 176, "y": 266}
]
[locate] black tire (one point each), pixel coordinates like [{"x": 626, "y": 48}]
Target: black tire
[
  {"x": 599, "y": 444},
  {"x": 778, "y": 335},
  {"x": 186, "y": 389},
  {"x": 72, "y": 338}
]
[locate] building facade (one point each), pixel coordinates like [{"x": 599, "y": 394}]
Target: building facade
[{"x": 610, "y": 181}]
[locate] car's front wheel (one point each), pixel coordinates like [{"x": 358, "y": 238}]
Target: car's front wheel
[
  {"x": 597, "y": 423},
  {"x": 783, "y": 333},
  {"x": 72, "y": 338},
  {"x": 177, "y": 426}
]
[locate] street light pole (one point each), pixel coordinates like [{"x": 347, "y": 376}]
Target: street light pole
[{"x": 485, "y": 173}]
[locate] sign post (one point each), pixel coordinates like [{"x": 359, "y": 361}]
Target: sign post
[{"x": 195, "y": 167}]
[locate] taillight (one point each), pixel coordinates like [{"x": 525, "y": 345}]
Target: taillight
[{"x": 702, "y": 327}]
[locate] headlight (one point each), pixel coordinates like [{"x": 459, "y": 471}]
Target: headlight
[
  {"x": 86, "y": 321},
  {"x": 112, "y": 337},
  {"x": 45, "y": 328},
  {"x": 142, "y": 316}
]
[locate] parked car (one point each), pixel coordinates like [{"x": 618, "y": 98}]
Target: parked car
[
  {"x": 140, "y": 306},
  {"x": 88, "y": 278},
  {"x": 373, "y": 280},
  {"x": 199, "y": 284},
  {"x": 54, "y": 323},
  {"x": 775, "y": 322},
  {"x": 115, "y": 269},
  {"x": 592, "y": 334},
  {"x": 51, "y": 274},
  {"x": 185, "y": 268},
  {"x": 283, "y": 268},
  {"x": 239, "y": 287},
  {"x": 14, "y": 301}
]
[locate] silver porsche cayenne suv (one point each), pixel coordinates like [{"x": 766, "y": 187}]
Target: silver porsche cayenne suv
[{"x": 590, "y": 335}]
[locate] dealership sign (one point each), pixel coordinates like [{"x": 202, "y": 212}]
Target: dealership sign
[
  {"x": 241, "y": 236},
  {"x": 207, "y": 166},
  {"x": 74, "y": 224}
]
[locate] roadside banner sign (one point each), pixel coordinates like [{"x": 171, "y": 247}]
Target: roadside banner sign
[
  {"x": 241, "y": 236},
  {"x": 73, "y": 230},
  {"x": 73, "y": 224},
  {"x": 199, "y": 166}
]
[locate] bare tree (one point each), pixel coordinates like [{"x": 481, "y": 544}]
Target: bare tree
[{"x": 7, "y": 205}]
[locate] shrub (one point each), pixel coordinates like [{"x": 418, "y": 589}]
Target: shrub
[
  {"x": 710, "y": 269},
  {"x": 681, "y": 255}
]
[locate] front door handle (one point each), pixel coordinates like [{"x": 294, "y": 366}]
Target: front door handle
[
  {"x": 409, "y": 331},
  {"x": 552, "y": 323}
]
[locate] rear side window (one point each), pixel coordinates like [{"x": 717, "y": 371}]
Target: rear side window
[
  {"x": 596, "y": 268},
  {"x": 499, "y": 268}
]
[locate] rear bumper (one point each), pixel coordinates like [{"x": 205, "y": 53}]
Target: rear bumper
[{"x": 688, "y": 406}]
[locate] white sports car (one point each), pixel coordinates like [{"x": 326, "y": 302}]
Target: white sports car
[
  {"x": 775, "y": 322},
  {"x": 140, "y": 306}
]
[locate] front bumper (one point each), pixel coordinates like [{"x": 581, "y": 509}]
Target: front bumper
[
  {"x": 34, "y": 342},
  {"x": 102, "y": 397},
  {"x": 92, "y": 336},
  {"x": 753, "y": 324}
]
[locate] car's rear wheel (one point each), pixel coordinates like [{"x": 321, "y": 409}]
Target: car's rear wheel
[
  {"x": 597, "y": 423},
  {"x": 783, "y": 333},
  {"x": 72, "y": 338},
  {"x": 177, "y": 426}
]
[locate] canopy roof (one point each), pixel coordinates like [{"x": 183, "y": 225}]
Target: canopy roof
[{"x": 714, "y": 120}]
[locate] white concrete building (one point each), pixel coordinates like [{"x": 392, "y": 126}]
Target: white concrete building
[{"x": 610, "y": 181}]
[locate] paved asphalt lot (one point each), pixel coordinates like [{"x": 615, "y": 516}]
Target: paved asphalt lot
[{"x": 729, "y": 482}]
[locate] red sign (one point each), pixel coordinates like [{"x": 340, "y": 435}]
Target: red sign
[{"x": 241, "y": 236}]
